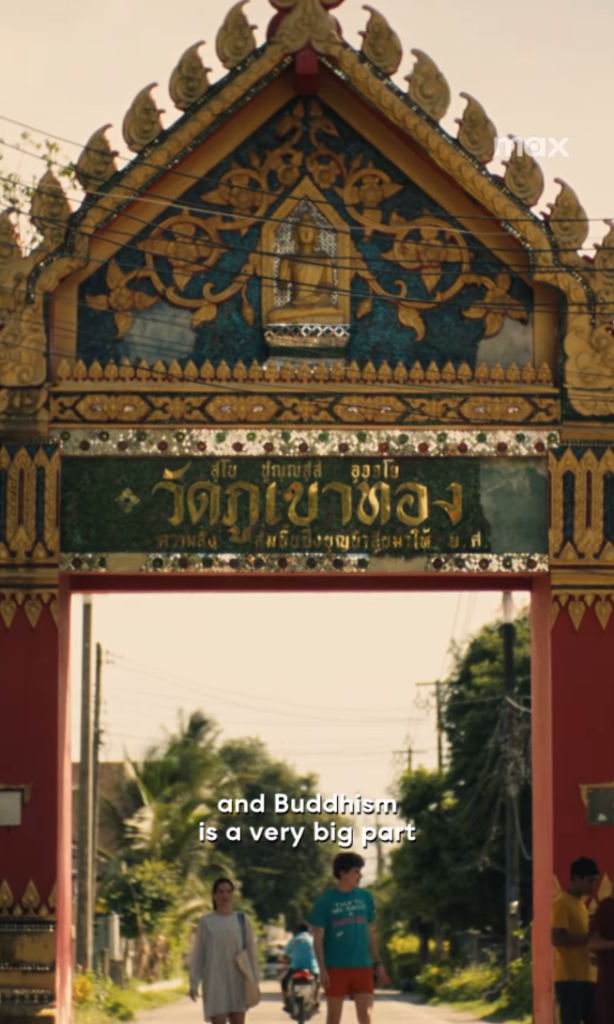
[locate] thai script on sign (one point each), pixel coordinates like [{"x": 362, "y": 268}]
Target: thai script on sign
[{"x": 294, "y": 492}]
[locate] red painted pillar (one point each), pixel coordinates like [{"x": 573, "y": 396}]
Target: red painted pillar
[
  {"x": 29, "y": 699},
  {"x": 542, "y": 771},
  {"x": 582, "y": 717}
]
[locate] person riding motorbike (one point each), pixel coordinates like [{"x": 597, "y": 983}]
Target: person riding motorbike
[{"x": 300, "y": 956}]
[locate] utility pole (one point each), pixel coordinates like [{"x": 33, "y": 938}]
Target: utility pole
[
  {"x": 84, "y": 937},
  {"x": 97, "y": 743},
  {"x": 438, "y": 720},
  {"x": 512, "y": 788}
]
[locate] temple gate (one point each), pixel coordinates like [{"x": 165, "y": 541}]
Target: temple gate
[{"x": 303, "y": 339}]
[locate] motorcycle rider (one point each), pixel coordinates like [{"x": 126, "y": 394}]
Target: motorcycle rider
[{"x": 300, "y": 956}]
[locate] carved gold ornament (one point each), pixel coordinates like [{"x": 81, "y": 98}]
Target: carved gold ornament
[
  {"x": 97, "y": 161},
  {"x": 591, "y": 473},
  {"x": 29, "y": 906},
  {"x": 50, "y": 211},
  {"x": 476, "y": 132},
  {"x": 121, "y": 299},
  {"x": 523, "y": 176},
  {"x": 428, "y": 87},
  {"x": 31, "y": 489},
  {"x": 308, "y": 22},
  {"x": 142, "y": 122},
  {"x": 567, "y": 219},
  {"x": 380, "y": 44},
  {"x": 189, "y": 81},
  {"x": 235, "y": 40}
]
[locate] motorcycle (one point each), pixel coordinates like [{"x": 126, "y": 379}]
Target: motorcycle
[{"x": 302, "y": 995}]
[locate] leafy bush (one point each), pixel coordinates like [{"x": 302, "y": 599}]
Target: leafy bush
[
  {"x": 403, "y": 961},
  {"x": 469, "y": 983},
  {"x": 83, "y": 988},
  {"x": 431, "y": 978},
  {"x": 518, "y": 989},
  {"x": 116, "y": 1008}
]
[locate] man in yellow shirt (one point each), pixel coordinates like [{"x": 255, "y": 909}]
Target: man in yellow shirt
[{"x": 574, "y": 980}]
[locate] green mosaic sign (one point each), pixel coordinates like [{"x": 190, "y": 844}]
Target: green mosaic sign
[{"x": 258, "y": 505}]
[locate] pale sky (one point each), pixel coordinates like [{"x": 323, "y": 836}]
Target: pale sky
[
  {"x": 325, "y": 680},
  {"x": 542, "y": 69}
]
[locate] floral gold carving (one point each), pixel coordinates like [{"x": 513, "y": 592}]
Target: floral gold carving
[
  {"x": 242, "y": 408},
  {"x": 235, "y": 39},
  {"x": 121, "y": 299},
  {"x": 476, "y": 131},
  {"x": 428, "y": 87},
  {"x": 97, "y": 161},
  {"x": 142, "y": 122},
  {"x": 523, "y": 176},
  {"x": 189, "y": 81},
  {"x": 591, "y": 472},
  {"x": 380, "y": 44}
]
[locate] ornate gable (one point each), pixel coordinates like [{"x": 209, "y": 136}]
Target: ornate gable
[{"x": 306, "y": 223}]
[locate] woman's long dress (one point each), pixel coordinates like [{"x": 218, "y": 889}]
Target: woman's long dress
[{"x": 218, "y": 940}]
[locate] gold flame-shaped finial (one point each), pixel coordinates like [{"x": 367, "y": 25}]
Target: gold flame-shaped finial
[
  {"x": 142, "y": 121},
  {"x": 49, "y": 210},
  {"x": 380, "y": 44},
  {"x": 428, "y": 87},
  {"x": 189, "y": 81},
  {"x": 9, "y": 240},
  {"x": 523, "y": 176},
  {"x": 476, "y": 132},
  {"x": 567, "y": 218},
  {"x": 97, "y": 161},
  {"x": 235, "y": 39}
]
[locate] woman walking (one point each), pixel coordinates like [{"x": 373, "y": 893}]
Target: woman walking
[{"x": 220, "y": 935}]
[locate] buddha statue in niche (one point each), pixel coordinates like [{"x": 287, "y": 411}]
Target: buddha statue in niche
[{"x": 309, "y": 275}]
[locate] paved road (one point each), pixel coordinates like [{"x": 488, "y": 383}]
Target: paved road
[{"x": 390, "y": 1008}]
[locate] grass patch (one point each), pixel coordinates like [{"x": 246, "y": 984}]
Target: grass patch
[
  {"x": 482, "y": 989},
  {"x": 96, "y": 1000}
]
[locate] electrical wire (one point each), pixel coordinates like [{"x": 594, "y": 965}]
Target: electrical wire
[{"x": 142, "y": 162}]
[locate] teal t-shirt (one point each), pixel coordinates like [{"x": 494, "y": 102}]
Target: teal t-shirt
[{"x": 345, "y": 918}]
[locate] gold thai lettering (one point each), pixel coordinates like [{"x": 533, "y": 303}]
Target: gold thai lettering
[
  {"x": 178, "y": 492},
  {"x": 293, "y": 495},
  {"x": 454, "y": 508},
  {"x": 203, "y": 495},
  {"x": 476, "y": 539},
  {"x": 378, "y": 497},
  {"x": 415, "y": 496},
  {"x": 342, "y": 541},
  {"x": 308, "y": 470},
  {"x": 345, "y": 493},
  {"x": 233, "y": 494},
  {"x": 270, "y": 505},
  {"x": 223, "y": 469},
  {"x": 387, "y": 469}
]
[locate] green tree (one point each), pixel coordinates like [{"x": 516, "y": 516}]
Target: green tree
[
  {"x": 452, "y": 878},
  {"x": 276, "y": 878}
]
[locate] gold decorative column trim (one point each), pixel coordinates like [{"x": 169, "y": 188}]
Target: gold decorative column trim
[{"x": 30, "y": 905}]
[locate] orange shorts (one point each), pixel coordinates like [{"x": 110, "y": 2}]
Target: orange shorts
[{"x": 349, "y": 981}]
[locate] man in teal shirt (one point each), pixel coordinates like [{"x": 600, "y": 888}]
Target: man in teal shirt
[{"x": 343, "y": 921}]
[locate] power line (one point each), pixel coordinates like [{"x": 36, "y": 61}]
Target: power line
[{"x": 137, "y": 159}]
